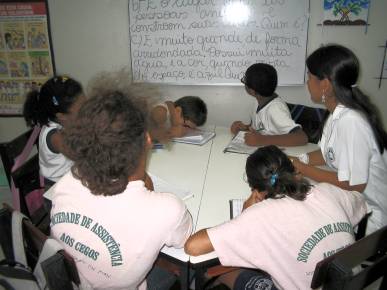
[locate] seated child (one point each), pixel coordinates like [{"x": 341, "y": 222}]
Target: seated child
[
  {"x": 271, "y": 122},
  {"x": 285, "y": 228},
  {"x": 102, "y": 211},
  {"x": 53, "y": 107},
  {"x": 174, "y": 119}
]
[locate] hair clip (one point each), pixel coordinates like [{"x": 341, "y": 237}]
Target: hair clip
[
  {"x": 64, "y": 79},
  {"x": 273, "y": 179},
  {"x": 354, "y": 86},
  {"x": 55, "y": 101}
]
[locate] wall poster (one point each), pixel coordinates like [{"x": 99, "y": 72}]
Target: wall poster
[
  {"x": 346, "y": 12},
  {"x": 26, "y": 59}
]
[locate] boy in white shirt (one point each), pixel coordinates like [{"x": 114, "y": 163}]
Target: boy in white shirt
[{"x": 271, "y": 122}]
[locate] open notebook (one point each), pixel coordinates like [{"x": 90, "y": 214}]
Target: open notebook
[
  {"x": 237, "y": 145},
  {"x": 236, "y": 206},
  {"x": 160, "y": 185},
  {"x": 196, "y": 137}
]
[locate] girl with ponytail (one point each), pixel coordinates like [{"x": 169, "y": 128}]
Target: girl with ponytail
[
  {"x": 353, "y": 142},
  {"x": 285, "y": 224},
  {"x": 51, "y": 108}
]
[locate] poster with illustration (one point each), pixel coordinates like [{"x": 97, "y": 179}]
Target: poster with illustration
[
  {"x": 384, "y": 74},
  {"x": 3, "y": 65},
  {"x": 14, "y": 35},
  {"x": 37, "y": 37},
  {"x": 1, "y": 38},
  {"x": 40, "y": 64},
  {"x": 346, "y": 12},
  {"x": 18, "y": 65},
  {"x": 25, "y": 52}
]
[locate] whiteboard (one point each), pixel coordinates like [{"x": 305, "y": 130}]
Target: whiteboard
[{"x": 215, "y": 41}]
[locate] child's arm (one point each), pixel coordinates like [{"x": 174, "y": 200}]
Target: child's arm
[
  {"x": 198, "y": 244},
  {"x": 55, "y": 141},
  {"x": 158, "y": 119},
  {"x": 313, "y": 158},
  {"x": 322, "y": 175},
  {"x": 238, "y": 126},
  {"x": 178, "y": 131},
  {"x": 296, "y": 138}
]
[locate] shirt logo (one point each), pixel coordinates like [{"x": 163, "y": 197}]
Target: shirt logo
[{"x": 331, "y": 154}]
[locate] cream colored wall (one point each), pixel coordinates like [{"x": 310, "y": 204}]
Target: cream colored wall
[{"x": 92, "y": 35}]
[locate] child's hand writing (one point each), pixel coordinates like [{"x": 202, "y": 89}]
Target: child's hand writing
[{"x": 238, "y": 126}]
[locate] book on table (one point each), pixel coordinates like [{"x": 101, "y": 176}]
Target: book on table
[
  {"x": 195, "y": 137},
  {"x": 238, "y": 145}
]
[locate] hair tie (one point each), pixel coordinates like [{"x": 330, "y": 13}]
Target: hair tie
[
  {"x": 55, "y": 101},
  {"x": 273, "y": 179},
  {"x": 354, "y": 86}
]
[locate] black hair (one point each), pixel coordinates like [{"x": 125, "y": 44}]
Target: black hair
[
  {"x": 193, "y": 109},
  {"x": 262, "y": 78},
  {"x": 269, "y": 169},
  {"x": 341, "y": 67},
  {"x": 56, "y": 95}
]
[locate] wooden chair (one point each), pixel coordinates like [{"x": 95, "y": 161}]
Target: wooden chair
[
  {"x": 311, "y": 120},
  {"x": 60, "y": 269},
  {"x": 336, "y": 271}
]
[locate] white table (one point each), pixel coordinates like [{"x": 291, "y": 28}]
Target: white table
[{"x": 213, "y": 177}]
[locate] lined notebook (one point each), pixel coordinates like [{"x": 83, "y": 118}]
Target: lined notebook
[
  {"x": 160, "y": 185},
  {"x": 237, "y": 145},
  {"x": 236, "y": 206},
  {"x": 196, "y": 137}
]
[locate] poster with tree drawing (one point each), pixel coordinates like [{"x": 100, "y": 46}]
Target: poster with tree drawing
[{"x": 346, "y": 12}]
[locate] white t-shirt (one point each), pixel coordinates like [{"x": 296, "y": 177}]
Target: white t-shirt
[
  {"x": 273, "y": 118},
  {"x": 348, "y": 146},
  {"x": 286, "y": 237},
  {"x": 116, "y": 239},
  {"x": 52, "y": 165}
]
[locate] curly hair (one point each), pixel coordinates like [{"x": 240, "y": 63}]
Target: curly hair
[
  {"x": 106, "y": 140},
  {"x": 269, "y": 169}
]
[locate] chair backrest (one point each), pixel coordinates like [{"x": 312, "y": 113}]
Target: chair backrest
[
  {"x": 311, "y": 120},
  {"x": 61, "y": 263},
  {"x": 12, "y": 149},
  {"x": 339, "y": 270},
  {"x": 30, "y": 188}
]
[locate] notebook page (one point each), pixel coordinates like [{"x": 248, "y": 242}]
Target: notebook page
[{"x": 236, "y": 206}]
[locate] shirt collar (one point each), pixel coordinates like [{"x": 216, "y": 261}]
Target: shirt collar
[
  {"x": 339, "y": 110},
  {"x": 274, "y": 96}
]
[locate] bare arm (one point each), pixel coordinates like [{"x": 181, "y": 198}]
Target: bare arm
[
  {"x": 322, "y": 175},
  {"x": 198, "y": 244},
  {"x": 296, "y": 138},
  {"x": 56, "y": 141},
  {"x": 157, "y": 128},
  {"x": 314, "y": 158}
]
